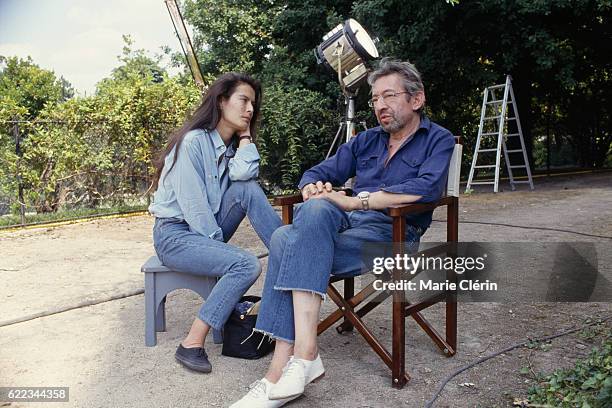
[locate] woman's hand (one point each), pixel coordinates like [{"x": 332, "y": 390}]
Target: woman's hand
[
  {"x": 244, "y": 140},
  {"x": 244, "y": 136}
]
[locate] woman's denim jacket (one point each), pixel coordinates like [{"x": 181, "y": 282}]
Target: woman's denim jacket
[{"x": 205, "y": 167}]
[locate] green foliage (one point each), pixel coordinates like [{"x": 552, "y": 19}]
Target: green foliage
[
  {"x": 26, "y": 90},
  {"x": 86, "y": 151},
  {"x": 534, "y": 344},
  {"x": 556, "y": 51},
  {"x": 296, "y": 131},
  {"x": 137, "y": 106},
  {"x": 89, "y": 151},
  {"x": 588, "y": 384},
  {"x": 231, "y": 35},
  {"x": 25, "y": 85}
]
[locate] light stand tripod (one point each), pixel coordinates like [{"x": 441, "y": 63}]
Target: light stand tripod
[{"x": 347, "y": 123}]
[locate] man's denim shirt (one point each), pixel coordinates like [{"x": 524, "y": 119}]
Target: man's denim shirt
[
  {"x": 419, "y": 167},
  {"x": 192, "y": 190}
]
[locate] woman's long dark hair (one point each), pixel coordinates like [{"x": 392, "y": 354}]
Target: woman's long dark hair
[{"x": 208, "y": 114}]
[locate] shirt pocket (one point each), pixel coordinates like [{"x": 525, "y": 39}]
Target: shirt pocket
[
  {"x": 411, "y": 166},
  {"x": 368, "y": 162},
  {"x": 413, "y": 161}
]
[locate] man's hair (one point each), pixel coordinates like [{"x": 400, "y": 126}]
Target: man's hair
[{"x": 411, "y": 77}]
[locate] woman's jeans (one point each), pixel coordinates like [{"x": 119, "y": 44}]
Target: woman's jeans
[
  {"x": 183, "y": 250},
  {"x": 322, "y": 240}
]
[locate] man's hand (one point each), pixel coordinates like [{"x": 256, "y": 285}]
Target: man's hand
[
  {"x": 317, "y": 190},
  {"x": 340, "y": 199}
]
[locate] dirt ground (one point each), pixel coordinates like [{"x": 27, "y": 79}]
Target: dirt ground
[{"x": 98, "y": 351}]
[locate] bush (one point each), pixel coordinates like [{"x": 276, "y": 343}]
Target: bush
[
  {"x": 296, "y": 131},
  {"x": 588, "y": 384}
]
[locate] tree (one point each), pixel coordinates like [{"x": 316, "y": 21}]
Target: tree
[
  {"x": 94, "y": 150},
  {"x": 231, "y": 35},
  {"x": 25, "y": 91},
  {"x": 554, "y": 50},
  {"x": 28, "y": 86}
]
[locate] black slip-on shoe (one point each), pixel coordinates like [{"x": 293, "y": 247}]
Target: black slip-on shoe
[{"x": 193, "y": 358}]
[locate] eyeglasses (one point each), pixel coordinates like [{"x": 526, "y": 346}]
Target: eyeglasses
[{"x": 388, "y": 96}]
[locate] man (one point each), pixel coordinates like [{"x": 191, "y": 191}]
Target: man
[{"x": 404, "y": 160}]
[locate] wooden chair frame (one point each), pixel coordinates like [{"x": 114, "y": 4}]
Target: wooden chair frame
[{"x": 402, "y": 308}]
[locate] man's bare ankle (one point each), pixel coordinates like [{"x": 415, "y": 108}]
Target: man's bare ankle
[
  {"x": 272, "y": 377},
  {"x": 306, "y": 354}
]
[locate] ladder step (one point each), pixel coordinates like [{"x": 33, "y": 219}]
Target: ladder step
[
  {"x": 513, "y": 150},
  {"x": 496, "y": 101},
  {"x": 513, "y": 118},
  {"x": 482, "y": 182},
  {"x": 522, "y": 166},
  {"x": 512, "y": 134},
  {"x": 484, "y": 166},
  {"x": 492, "y": 117},
  {"x": 490, "y": 134},
  {"x": 496, "y": 86},
  {"x": 488, "y": 150}
]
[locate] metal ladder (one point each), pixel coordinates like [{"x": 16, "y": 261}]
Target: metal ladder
[{"x": 494, "y": 118}]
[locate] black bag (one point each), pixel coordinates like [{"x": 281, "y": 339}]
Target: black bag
[{"x": 240, "y": 327}]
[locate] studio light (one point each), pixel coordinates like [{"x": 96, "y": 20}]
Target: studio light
[{"x": 345, "y": 50}]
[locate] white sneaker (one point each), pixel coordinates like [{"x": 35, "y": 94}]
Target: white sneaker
[
  {"x": 257, "y": 397},
  {"x": 296, "y": 375}
]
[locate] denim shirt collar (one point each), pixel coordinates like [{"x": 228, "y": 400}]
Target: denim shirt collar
[
  {"x": 219, "y": 145},
  {"x": 424, "y": 125},
  {"x": 217, "y": 141}
]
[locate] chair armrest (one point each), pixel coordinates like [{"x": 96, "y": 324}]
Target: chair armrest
[
  {"x": 288, "y": 199},
  {"x": 419, "y": 207}
]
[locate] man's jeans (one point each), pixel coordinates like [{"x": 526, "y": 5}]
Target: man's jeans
[
  {"x": 322, "y": 240},
  {"x": 183, "y": 250}
]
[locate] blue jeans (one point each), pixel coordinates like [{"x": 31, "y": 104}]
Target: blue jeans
[
  {"x": 322, "y": 240},
  {"x": 183, "y": 250}
]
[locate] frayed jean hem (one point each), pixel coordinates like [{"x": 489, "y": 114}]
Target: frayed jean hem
[
  {"x": 314, "y": 292},
  {"x": 274, "y": 337}
]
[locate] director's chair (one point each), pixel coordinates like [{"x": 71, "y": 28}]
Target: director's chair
[{"x": 402, "y": 308}]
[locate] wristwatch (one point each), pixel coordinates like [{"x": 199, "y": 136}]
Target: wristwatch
[{"x": 364, "y": 196}]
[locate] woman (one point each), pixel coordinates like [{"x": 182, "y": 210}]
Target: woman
[{"x": 205, "y": 186}]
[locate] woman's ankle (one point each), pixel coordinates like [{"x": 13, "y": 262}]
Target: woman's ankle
[
  {"x": 197, "y": 334},
  {"x": 190, "y": 343}
]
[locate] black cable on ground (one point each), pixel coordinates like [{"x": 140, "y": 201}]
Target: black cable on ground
[
  {"x": 429, "y": 403},
  {"x": 528, "y": 227}
]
